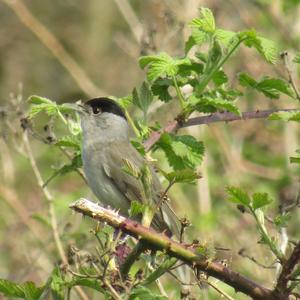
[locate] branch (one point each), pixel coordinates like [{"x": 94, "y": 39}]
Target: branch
[
  {"x": 212, "y": 118},
  {"x": 287, "y": 269},
  {"x": 158, "y": 241}
]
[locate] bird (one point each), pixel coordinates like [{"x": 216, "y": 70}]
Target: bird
[{"x": 106, "y": 145}]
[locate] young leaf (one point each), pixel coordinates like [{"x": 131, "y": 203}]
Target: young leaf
[
  {"x": 238, "y": 196},
  {"x": 94, "y": 284},
  {"x": 160, "y": 88},
  {"x": 37, "y": 100},
  {"x": 159, "y": 66},
  {"x": 219, "y": 78},
  {"x": 182, "y": 176},
  {"x": 162, "y": 269},
  {"x": 285, "y": 116},
  {"x": 144, "y": 98},
  {"x": 206, "y": 21},
  {"x": 69, "y": 141},
  {"x": 282, "y": 220},
  {"x": 140, "y": 292},
  {"x": 260, "y": 200},
  {"x": 136, "y": 208},
  {"x": 225, "y": 36},
  {"x": 297, "y": 58},
  {"x": 130, "y": 169}
]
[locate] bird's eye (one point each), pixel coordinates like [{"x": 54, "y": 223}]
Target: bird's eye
[{"x": 96, "y": 110}]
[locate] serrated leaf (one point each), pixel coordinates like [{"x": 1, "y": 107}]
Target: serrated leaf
[
  {"x": 57, "y": 285},
  {"x": 206, "y": 21},
  {"x": 238, "y": 196},
  {"x": 219, "y": 78},
  {"x": 272, "y": 87},
  {"x": 295, "y": 160},
  {"x": 131, "y": 169},
  {"x": 11, "y": 289},
  {"x": 182, "y": 176},
  {"x": 246, "y": 80},
  {"x": 162, "y": 269},
  {"x": 144, "y": 98},
  {"x": 196, "y": 38},
  {"x": 282, "y": 220},
  {"x": 160, "y": 88},
  {"x": 207, "y": 104},
  {"x": 260, "y": 200},
  {"x": 267, "y": 48},
  {"x": 27, "y": 290},
  {"x": 142, "y": 293},
  {"x": 34, "y": 99},
  {"x": 94, "y": 284},
  {"x": 70, "y": 141},
  {"x": 224, "y": 36},
  {"x": 159, "y": 66},
  {"x": 181, "y": 151},
  {"x": 136, "y": 208},
  {"x": 297, "y": 58},
  {"x": 285, "y": 116}
]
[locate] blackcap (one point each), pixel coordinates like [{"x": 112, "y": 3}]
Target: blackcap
[{"x": 106, "y": 145}]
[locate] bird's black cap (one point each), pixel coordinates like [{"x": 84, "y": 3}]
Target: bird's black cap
[{"x": 106, "y": 105}]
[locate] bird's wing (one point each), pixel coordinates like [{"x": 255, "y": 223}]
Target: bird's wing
[{"x": 132, "y": 188}]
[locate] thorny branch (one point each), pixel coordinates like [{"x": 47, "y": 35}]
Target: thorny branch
[
  {"x": 158, "y": 241},
  {"x": 212, "y": 118}
]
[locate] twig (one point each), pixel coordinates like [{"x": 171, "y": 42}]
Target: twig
[
  {"x": 221, "y": 292},
  {"x": 53, "y": 44},
  {"x": 287, "y": 64},
  {"x": 212, "y": 118},
  {"x": 158, "y": 241},
  {"x": 49, "y": 197},
  {"x": 243, "y": 254},
  {"x": 132, "y": 258},
  {"x": 287, "y": 269}
]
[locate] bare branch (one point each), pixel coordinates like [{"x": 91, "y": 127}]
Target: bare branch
[
  {"x": 287, "y": 269},
  {"x": 159, "y": 241},
  {"x": 212, "y": 118}
]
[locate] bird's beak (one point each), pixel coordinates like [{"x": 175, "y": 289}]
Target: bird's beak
[{"x": 78, "y": 107}]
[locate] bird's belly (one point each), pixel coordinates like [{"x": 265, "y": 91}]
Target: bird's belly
[{"x": 102, "y": 186}]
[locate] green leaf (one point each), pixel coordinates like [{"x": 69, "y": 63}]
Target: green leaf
[
  {"x": 207, "y": 104},
  {"x": 205, "y": 22},
  {"x": 267, "y": 48},
  {"x": 246, "y": 80},
  {"x": 70, "y": 141},
  {"x": 285, "y": 116},
  {"x": 130, "y": 169},
  {"x": 182, "y": 176},
  {"x": 297, "y": 58},
  {"x": 57, "y": 285},
  {"x": 37, "y": 100},
  {"x": 11, "y": 289},
  {"x": 295, "y": 160},
  {"x": 142, "y": 293},
  {"x": 27, "y": 290},
  {"x": 144, "y": 98},
  {"x": 238, "y": 196},
  {"x": 160, "y": 88},
  {"x": 94, "y": 284},
  {"x": 41, "y": 219},
  {"x": 282, "y": 220},
  {"x": 260, "y": 200},
  {"x": 196, "y": 38},
  {"x": 225, "y": 36},
  {"x": 136, "y": 208},
  {"x": 270, "y": 87},
  {"x": 219, "y": 78},
  {"x": 162, "y": 269},
  {"x": 160, "y": 65},
  {"x": 181, "y": 151}
]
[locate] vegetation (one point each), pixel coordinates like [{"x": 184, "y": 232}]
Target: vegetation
[{"x": 253, "y": 251}]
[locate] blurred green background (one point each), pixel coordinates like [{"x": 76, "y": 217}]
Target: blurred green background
[{"x": 71, "y": 50}]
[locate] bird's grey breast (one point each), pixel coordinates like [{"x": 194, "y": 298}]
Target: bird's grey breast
[{"x": 94, "y": 157}]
